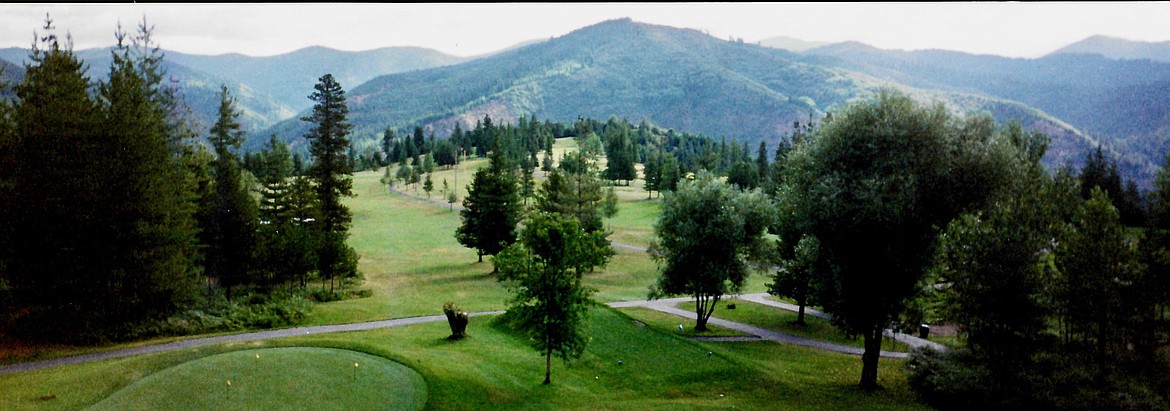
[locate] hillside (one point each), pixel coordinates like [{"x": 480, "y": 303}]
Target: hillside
[
  {"x": 790, "y": 44},
  {"x": 199, "y": 89},
  {"x": 10, "y": 75},
  {"x": 676, "y": 78},
  {"x": 289, "y": 77},
  {"x": 1119, "y": 49},
  {"x": 267, "y": 89},
  {"x": 1116, "y": 102}
]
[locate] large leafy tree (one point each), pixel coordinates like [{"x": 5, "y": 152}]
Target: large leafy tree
[
  {"x": 332, "y": 174},
  {"x": 544, "y": 271},
  {"x": 491, "y": 209},
  {"x": 706, "y": 230},
  {"x": 874, "y": 183}
]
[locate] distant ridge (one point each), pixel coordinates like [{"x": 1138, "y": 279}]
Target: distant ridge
[
  {"x": 1119, "y": 49},
  {"x": 791, "y": 44}
]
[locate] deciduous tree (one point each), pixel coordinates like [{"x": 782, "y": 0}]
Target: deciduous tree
[
  {"x": 706, "y": 230},
  {"x": 544, "y": 270}
]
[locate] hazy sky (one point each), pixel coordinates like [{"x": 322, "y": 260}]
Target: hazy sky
[{"x": 1010, "y": 29}]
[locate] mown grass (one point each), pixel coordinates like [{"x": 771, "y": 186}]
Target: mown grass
[
  {"x": 495, "y": 368},
  {"x": 277, "y": 378},
  {"x": 670, "y": 322},
  {"x": 781, "y": 320}
]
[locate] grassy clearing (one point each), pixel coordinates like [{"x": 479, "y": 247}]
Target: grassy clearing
[
  {"x": 781, "y": 320},
  {"x": 496, "y": 369},
  {"x": 279, "y": 378},
  {"x": 412, "y": 264}
]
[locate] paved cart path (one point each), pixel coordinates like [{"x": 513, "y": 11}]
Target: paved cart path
[{"x": 664, "y": 305}]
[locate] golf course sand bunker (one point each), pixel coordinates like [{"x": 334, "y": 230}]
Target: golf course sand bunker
[{"x": 295, "y": 378}]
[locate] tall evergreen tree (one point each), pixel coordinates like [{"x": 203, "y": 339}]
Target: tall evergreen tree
[
  {"x": 230, "y": 235},
  {"x": 99, "y": 231},
  {"x": 47, "y": 250},
  {"x": 332, "y": 176},
  {"x": 574, "y": 190},
  {"x": 620, "y": 152},
  {"x": 491, "y": 209}
]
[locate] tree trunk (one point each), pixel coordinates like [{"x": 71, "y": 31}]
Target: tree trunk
[
  {"x": 800, "y": 315},
  {"x": 547, "y": 367},
  {"x": 869, "y": 359},
  {"x": 700, "y": 319}
]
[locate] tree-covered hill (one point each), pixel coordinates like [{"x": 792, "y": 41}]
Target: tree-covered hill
[
  {"x": 676, "y": 78},
  {"x": 267, "y": 89},
  {"x": 289, "y": 77},
  {"x": 1119, "y": 49},
  {"x": 200, "y": 90},
  {"x": 1116, "y": 102},
  {"x": 10, "y": 74}
]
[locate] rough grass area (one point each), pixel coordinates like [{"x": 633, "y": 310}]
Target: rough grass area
[{"x": 277, "y": 378}]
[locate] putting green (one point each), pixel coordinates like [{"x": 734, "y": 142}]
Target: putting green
[{"x": 277, "y": 378}]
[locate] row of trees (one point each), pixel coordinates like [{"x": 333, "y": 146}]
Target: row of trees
[
  {"x": 115, "y": 212},
  {"x": 888, "y": 204}
]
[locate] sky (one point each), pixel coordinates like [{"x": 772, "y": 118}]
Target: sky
[{"x": 1007, "y": 29}]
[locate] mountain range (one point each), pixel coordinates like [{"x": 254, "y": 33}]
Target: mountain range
[{"x": 1099, "y": 91}]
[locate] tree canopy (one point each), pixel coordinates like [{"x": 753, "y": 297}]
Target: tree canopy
[
  {"x": 544, "y": 270},
  {"x": 706, "y": 230},
  {"x": 875, "y": 182}
]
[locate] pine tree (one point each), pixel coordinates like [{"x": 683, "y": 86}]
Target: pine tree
[
  {"x": 332, "y": 174},
  {"x": 99, "y": 230},
  {"x": 574, "y": 190},
  {"x": 156, "y": 240},
  {"x": 230, "y": 235},
  {"x": 49, "y": 248},
  {"x": 491, "y": 209}
]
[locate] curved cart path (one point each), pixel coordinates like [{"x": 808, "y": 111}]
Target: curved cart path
[{"x": 665, "y": 305}]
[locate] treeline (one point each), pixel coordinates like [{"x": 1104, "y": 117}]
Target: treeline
[
  {"x": 1059, "y": 281},
  {"x": 120, "y": 223},
  {"x": 666, "y": 155}
]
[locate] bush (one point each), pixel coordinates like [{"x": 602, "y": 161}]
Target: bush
[{"x": 959, "y": 380}]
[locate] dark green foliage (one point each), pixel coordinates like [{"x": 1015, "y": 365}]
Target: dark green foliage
[
  {"x": 874, "y": 184},
  {"x": 743, "y": 175},
  {"x": 99, "y": 230},
  {"x": 794, "y": 278},
  {"x": 491, "y": 209},
  {"x": 706, "y": 230},
  {"x": 574, "y": 190},
  {"x": 1062, "y": 305},
  {"x": 229, "y": 233},
  {"x": 332, "y": 177},
  {"x": 1101, "y": 271},
  {"x": 620, "y": 152},
  {"x": 428, "y": 185},
  {"x": 543, "y": 271},
  {"x": 1099, "y": 172}
]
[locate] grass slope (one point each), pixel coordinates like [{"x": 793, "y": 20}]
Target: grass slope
[{"x": 281, "y": 378}]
